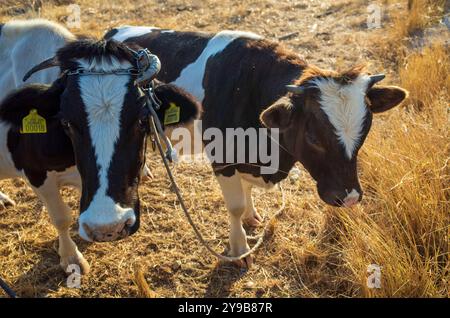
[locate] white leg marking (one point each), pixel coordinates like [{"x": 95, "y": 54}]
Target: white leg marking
[
  {"x": 61, "y": 217},
  {"x": 235, "y": 202},
  {"x": 251, "y": 217}
]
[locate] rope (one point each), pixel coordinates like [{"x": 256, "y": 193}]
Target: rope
[
  {"x": 188, "y": 216},
  {"x": 7, "y": 289}
]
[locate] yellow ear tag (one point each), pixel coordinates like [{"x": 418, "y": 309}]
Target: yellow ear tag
[
  {"x": 33, "y": 124},
  {"x": 172, "y": 114}
]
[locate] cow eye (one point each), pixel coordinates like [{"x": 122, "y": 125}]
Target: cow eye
[
  {"x": 314, "y": 142},
  {"x": 65, "y": 123},
  {"x": 311, "y": 138}
]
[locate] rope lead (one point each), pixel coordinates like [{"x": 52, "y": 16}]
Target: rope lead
[
  {"x": 7, "y": 289},
  {"x": 155, "y": 125}
]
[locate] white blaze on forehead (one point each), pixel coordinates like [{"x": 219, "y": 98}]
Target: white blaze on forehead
[
  {"x": 345, "y": 107},
  {"x": 191, "y": 78},
  {"x": 103, "y": 98}
]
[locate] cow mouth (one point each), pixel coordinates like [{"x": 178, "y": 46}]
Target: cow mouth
[
  {"x": 337, "y": 203},
  {"x": 334, "y": 198},
  {"x": 109, "y": 236}
]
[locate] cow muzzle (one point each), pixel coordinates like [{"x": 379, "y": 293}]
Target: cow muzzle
[
  {"x": 341, "y": 198},
  {"x": 106, "y": 233},
  {"x": 106, "y": 227},
  {"x": 351, "y": 198}
]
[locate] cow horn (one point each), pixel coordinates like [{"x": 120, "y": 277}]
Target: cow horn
[
  {"x": 52, "y": 62},
  {"x": 375, "y": 79},
  {"x": 295, "y": 89}
]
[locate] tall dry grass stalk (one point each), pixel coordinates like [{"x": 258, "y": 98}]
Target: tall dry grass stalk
[
  {"x": 426, "y": 75},
  {"x": 421, "y": 13}
]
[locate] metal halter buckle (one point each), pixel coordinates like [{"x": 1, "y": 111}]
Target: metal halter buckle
[
  {"x": 148, "y": 66},
  {"x": 142, "y": 59}
]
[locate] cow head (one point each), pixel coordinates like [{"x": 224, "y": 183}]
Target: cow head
[
  {"x": 106, "y": 121},
  {"x": 324, "y": 119}
]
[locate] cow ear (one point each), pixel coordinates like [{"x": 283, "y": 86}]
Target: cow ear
[
  {"x": 278, "y": 115},
  {"x": 383, "y": 98},
  {"x": 18, "y": 104},
  {"x": 177, "y": 106}
]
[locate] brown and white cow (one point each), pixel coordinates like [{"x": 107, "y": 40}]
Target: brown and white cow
[
  {"x": 246, "y": 81},
  {"x": 96, "y": 127}
]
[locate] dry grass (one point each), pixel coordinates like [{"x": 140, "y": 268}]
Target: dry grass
[
  {"x": 315, "y": 250},
  {"x": 426, "y": 76},
  {"x": 421, "y": 13},
  {"x": 408, "y": 24}
]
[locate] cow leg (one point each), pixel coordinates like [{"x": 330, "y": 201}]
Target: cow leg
[
  {"x": 235, "y": 201},
  {"x": 61, "y": 218},
  {"x": 251, "y": 217},
  {"x": 5, "y": 201}
]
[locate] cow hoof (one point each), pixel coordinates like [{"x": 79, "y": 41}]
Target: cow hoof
[
  {"x": 254, "y": 220},
  {"x": 5, "y": 201},
  {"x": 75, "y": 264},
  {"x": 147, "y": 174},
  {"x": 147, "y": 177},
  {"x": 245, "y": 263}
]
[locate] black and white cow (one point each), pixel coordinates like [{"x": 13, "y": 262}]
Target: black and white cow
[
  {"x": 96, "y": 131},
  {"x": 246, "y": 81}
]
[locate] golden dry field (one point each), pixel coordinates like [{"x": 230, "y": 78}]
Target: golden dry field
[{"x": 313, "y": 250}]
